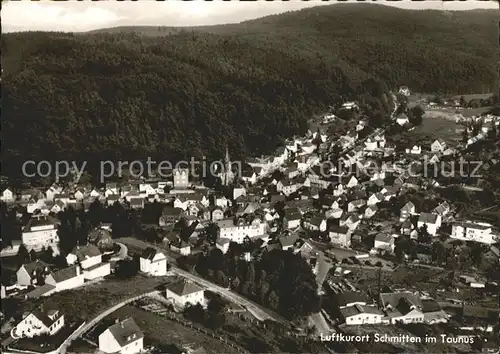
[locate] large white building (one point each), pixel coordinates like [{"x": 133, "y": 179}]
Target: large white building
[
  {"x": 469, "y": 231},
  {"x": 123, "y": 337},
  {"x": 404, "y": 307},
  {"x": 40, "y": 232},
  {"x": 238, "y": 230},
  {"x": 184, "y": 292},
  {"x": 153, "y": 262},
  {"x": 361, "y": 314},
  {"x": 90, "y": 259},
  {"x": 39, "y": 323}
]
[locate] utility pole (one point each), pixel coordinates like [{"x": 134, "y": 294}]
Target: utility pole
[{"x": 378, "y": 286}]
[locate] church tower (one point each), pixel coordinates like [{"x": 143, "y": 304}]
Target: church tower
[{"x": 227, "y": 176}]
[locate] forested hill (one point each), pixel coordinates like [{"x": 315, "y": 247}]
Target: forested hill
[{"x": 125, "y": 94}]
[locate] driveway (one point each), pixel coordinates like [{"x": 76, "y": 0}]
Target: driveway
[{"x": 122, "y": 254}]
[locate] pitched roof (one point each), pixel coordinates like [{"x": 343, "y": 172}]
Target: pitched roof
[
  {"x": 44, "y": 317},
  {"x": 428, "y": 218},
  {"x": 184, "y": 287},
  {"x": 349, "y": 297},
  {"x": 126, "y": 332},
  {"x": 35, "y": 266},
  {"x": 65, "y": 274},
  {"x": 150, "y": 253},
  {"x": 85, "y": 252}
]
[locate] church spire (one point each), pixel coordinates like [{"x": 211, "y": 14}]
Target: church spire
[{"x": 226, "y": 160}]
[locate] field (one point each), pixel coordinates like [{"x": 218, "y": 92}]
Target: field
[
  {"x": 87, "y": 302},
  {"x": 435, "y": 125}
]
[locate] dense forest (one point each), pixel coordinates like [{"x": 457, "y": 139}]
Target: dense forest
[{"x": 174, "y": 93}]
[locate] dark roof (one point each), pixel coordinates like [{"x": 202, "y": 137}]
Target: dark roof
[
  {"x": 65, "y": 274},
  {"x": 126, "y": 332},
  {"x": 149, "y": 253},
  {"x": 349, "y": 297},
  {"x": 168, "y": 210},
  {"x": 85, "y": 252},
  {"x": 339, "y": 229},
  {"x": 184, "y": 287},
  {"x": 44, "y": 318},
  {"x": 35, "y": 266},
  {"x": 427, "y": 218},
  {"x": 290, "y": 240},
  {"x": 430, "y": 305}
]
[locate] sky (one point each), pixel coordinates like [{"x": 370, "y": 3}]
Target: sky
[{"x": 81, "y": 16}]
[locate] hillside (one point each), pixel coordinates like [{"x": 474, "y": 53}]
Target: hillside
[{"x": 135, "y": 92}]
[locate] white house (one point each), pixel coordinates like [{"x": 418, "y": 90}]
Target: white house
[
  {"x": 470, "y": 231},
  {"x": 407, "y": 210},
  {"x": 34, "y": 203},
  {"x": 353, "y": 182},
  {"x": 90, "y": 259},
  {"x": 64, "y": 279},
  {"x": 123, "y": 337},
  {"x": 404, "y": 307},
  {"x": 7, "y": 196},
  {"x": 402, "y": 120},
  {"x": 223, "y": 244},
  {"x": 415, "y": 150},
  {"x": 39, "y": 323},
  {"x": 237, "y": 230},
  {"x": 181, "y": 178},
  {"x": 361, "y": 314},
  {"x": 153, "y": 262},
  {"x": 29, "y": 274},
  {"x": 249, "y": 176},
  {"x": 438, "y": 146},
  {"x": 40, "y": 232},
  {"x": 184, "y": 292},
  {"x": 375, "y": 199},
  {"x": 315, "y": 224},
  {"x": 292, "y": 218},
  {"x": 340, "y": 235},
  {"x": 384, "y": 241},
  {"x": 432, "y": 221}
]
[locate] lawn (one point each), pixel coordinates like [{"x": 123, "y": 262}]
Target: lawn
[
  {"x": 436, "y": 127},
  {"x": 87, "y": 302}
]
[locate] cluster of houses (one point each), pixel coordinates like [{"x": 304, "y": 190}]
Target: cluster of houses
[{"x": 353, "y": 307}]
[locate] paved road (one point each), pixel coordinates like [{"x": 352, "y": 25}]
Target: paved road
[
  {"x": 123, "y": 254},
  {"x": 253, "y": 308},
  {"x": 320, "y": 323}
]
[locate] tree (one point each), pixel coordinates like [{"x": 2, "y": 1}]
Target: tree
[
  {"x": 463, "y": 102},
  {"x": 33, "y": 256},
  {"x": 423, "y": 234},
  {"x": 215, "y": 311},
  {"x": 212, "y": 232},
  {"x": 465, "y": 136},
  {"x": 417, "y": 114},
  {"x": 23, "y": 254}
]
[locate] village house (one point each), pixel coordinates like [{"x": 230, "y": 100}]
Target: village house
[
  {"x": 7, "y": 196},
  {"x": 35, "y": 203},
  {"x": 40, "y": 232},
  {"x": 181, "y": 247},
  {"x": 153, "y": 262},
  {"x": 433, "y": 313},
  {"x": 353, "y": 182},
  {"x": 415, "y": 150},
  {"x": 249, "y": 176},
  {"x": 406, "y": 211},
  {"x": 355, "y": 205},
  {"x": 442, "y": 209},
  {"x": 292, "y": 218},
  {"x": 384, "y": 241},
  {"x": 404, "y": 307},
  {"x": 402, "y": 119},
  {"x": 438, "y": 146},
  {"x": 360, "y": 315},
  {"x": 340, "y": 235},
  {"x": 136, "y": 203},
  {"x": 171, "y": 215},
  {"x": 375, "y": 199},
  {"x": 370, "y": 211},
  {"x": 315, "y": 224},
  {"x": 217, "y": 214},
  {"x": 223, "y": 244},
  {"x": 237, "y": 229},
  {"x": 288, "y": 187},
  {"x": 184, "y": 292},
  {"x": 65, "y": 279},
  {"x": 431, "y": 221},
  {"x": 30, "y": 273},
  {"x": 334, "y": 213},
  {"x": 473, "y": 231},
  {"x": 89, "y": 258},
  {"x": 112, "y": 199},
  {"x": 52, "y": 191},
  {"x": 37, "y": 323},
  {"x": 123, "y": 337}
]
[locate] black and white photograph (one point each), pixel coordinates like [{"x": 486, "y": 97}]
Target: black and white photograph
[{"x": 224, "y": 177}]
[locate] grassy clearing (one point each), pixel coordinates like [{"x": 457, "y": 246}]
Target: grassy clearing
[
  {"x": 87, "y": 302},
  {"x": 435, "y": 127}
]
